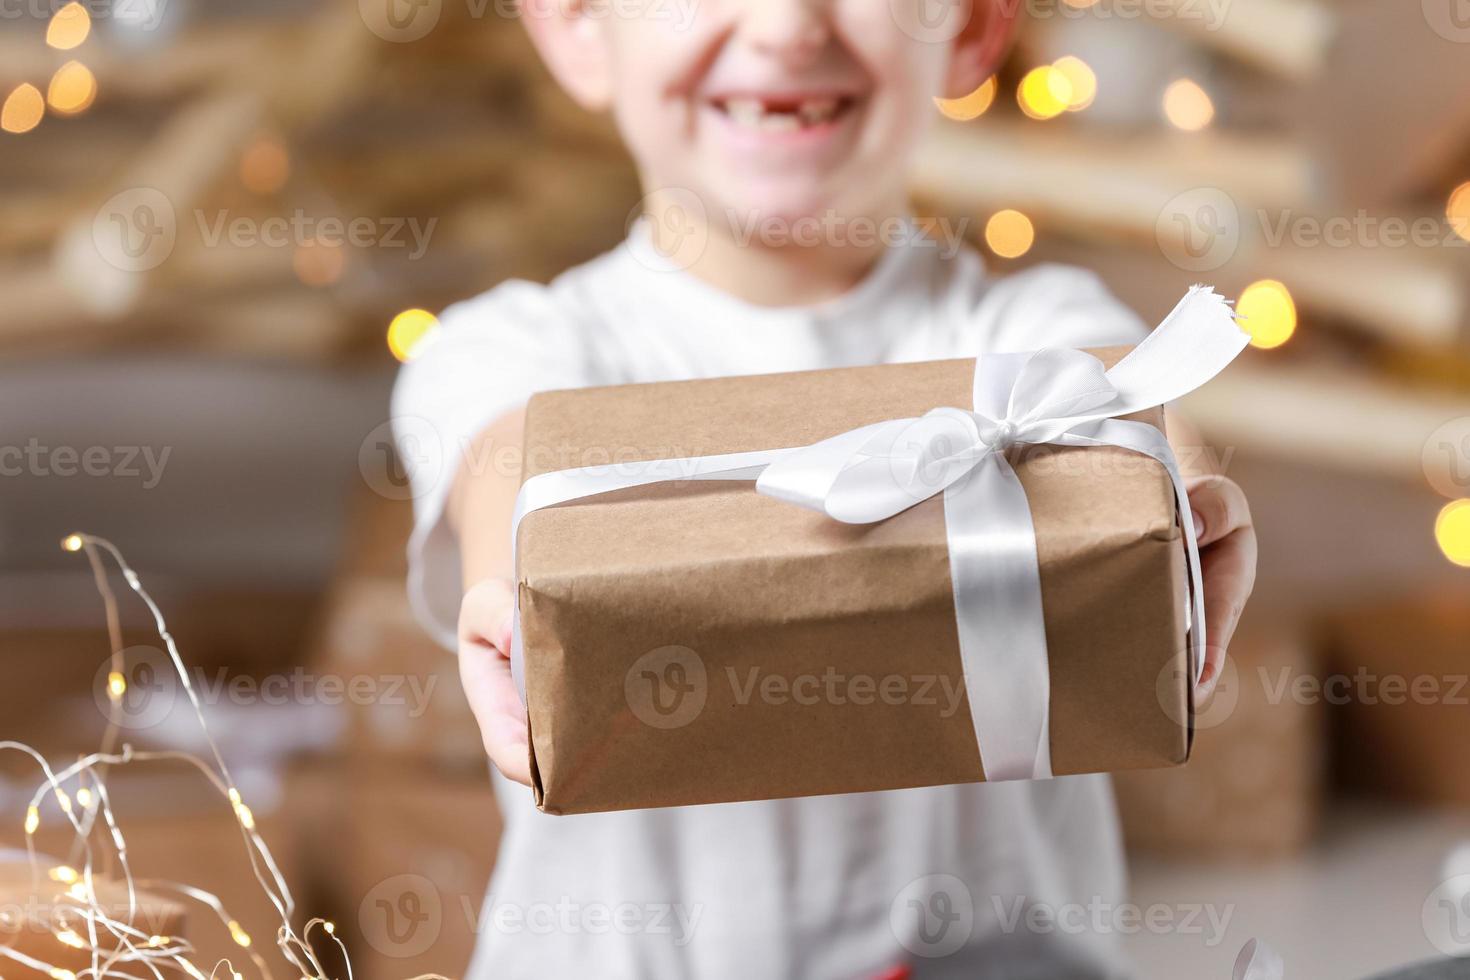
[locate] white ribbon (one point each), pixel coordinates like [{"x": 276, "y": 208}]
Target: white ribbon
[{"x": 1056, "y": 396}]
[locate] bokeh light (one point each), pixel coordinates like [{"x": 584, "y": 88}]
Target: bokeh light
[
  {"x": 1452, "y": 532},
  {"x": 72, "y": 90},
  {"x": 408, "y": 331},
  {"x": 23, "y": 109},
  {"x": 265, "y": 165},
  {"x": 971, "y": 106},
  {"x": 1267, "y": 312},
  {"x": 1081, "y": 80},
  {"x": 1457, "y": 211},
  {"x": 68, "y": 27},
  {"x": 1009, "y": 234},
  {"x": 1187, "y": 106},
  {"x": 319, "y": 263},
  {"x": 1044, "y": 93}
]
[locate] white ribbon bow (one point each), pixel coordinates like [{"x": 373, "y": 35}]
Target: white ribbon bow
[{"x": 1055, "y": 396}]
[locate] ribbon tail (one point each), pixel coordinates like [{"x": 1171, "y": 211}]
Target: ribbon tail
[{"x": 1002, "y": 636}]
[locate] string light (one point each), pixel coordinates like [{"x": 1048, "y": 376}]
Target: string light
[
  {"x": 1457, "y": 211},
  {"x": 1188, "y": 106},
  {"x": 408, "y": 331},
  {"x": 84, "y": 795},
  {"x": 33, "y": 819},
  {"x": 1081, "y": 81},
  {"x": 1009, "y": 234},
  {"x": 23, "y": 109},
  {"x": 72, "y": 90},
  {"x": 265, "y": 165},
  {"x": 72, "y": 542},
  {"x": 1452, "y": 531},
  {"x": 69, "y": 27},
  {"x": 1267, "y": 312},
  {"x": 971, "y": 106},
  {"x": 63, "y": 873},
  {"x": 1044, "y": 93},
  {"x": 239, "y": 935},
  {"x": 68, "y": 937}
]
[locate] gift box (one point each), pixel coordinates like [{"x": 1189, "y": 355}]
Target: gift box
[{"x": 692, "y": 640}]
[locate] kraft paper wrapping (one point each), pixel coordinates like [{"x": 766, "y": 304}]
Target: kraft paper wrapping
[{"x": 699, "y": 643}]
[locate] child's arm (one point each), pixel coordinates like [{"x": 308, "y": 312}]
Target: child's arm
[
  {"x": 1227, "y": 541},
  {"x": 481, "y": 505}
]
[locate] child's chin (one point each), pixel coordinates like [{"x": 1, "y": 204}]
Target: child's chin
[{"x": 776, "y": 206}]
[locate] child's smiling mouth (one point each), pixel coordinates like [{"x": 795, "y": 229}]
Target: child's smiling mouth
[{"x": 782, "y": 114}]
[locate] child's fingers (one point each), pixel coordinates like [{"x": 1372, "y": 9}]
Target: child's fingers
[
  {"x": 486, "y": 613},
  {"x": 1219, "y": 506},
  {"x": 484, "y": 666}
]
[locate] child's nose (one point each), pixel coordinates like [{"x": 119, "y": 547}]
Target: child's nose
[{"x": 792, "y": 31}]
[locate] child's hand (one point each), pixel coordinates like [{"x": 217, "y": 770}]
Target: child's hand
[
  {"x": 1227, "y": 543},
  {"x": 484, "y": 669}
]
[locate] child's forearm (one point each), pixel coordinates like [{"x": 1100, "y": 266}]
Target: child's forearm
[{"x": 482, "y": 503}]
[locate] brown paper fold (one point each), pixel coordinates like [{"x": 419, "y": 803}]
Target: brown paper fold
[{"x": 700, "y": 643}]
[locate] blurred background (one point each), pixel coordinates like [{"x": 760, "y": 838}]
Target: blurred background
[{"x": 224, "y": 224}]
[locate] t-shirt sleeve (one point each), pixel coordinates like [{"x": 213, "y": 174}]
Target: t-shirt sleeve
[
  {"x": 489, "y": 355},
  {"x": 1055, "y": 306}
]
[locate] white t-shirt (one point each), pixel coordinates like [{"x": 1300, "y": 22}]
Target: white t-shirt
[{"x": 979, "y": 880}]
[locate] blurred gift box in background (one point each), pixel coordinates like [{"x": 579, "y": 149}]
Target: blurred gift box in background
[{"x": 223, "y": 225}]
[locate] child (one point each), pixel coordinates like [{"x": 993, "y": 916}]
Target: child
[{"x": 750, "y": 118}]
